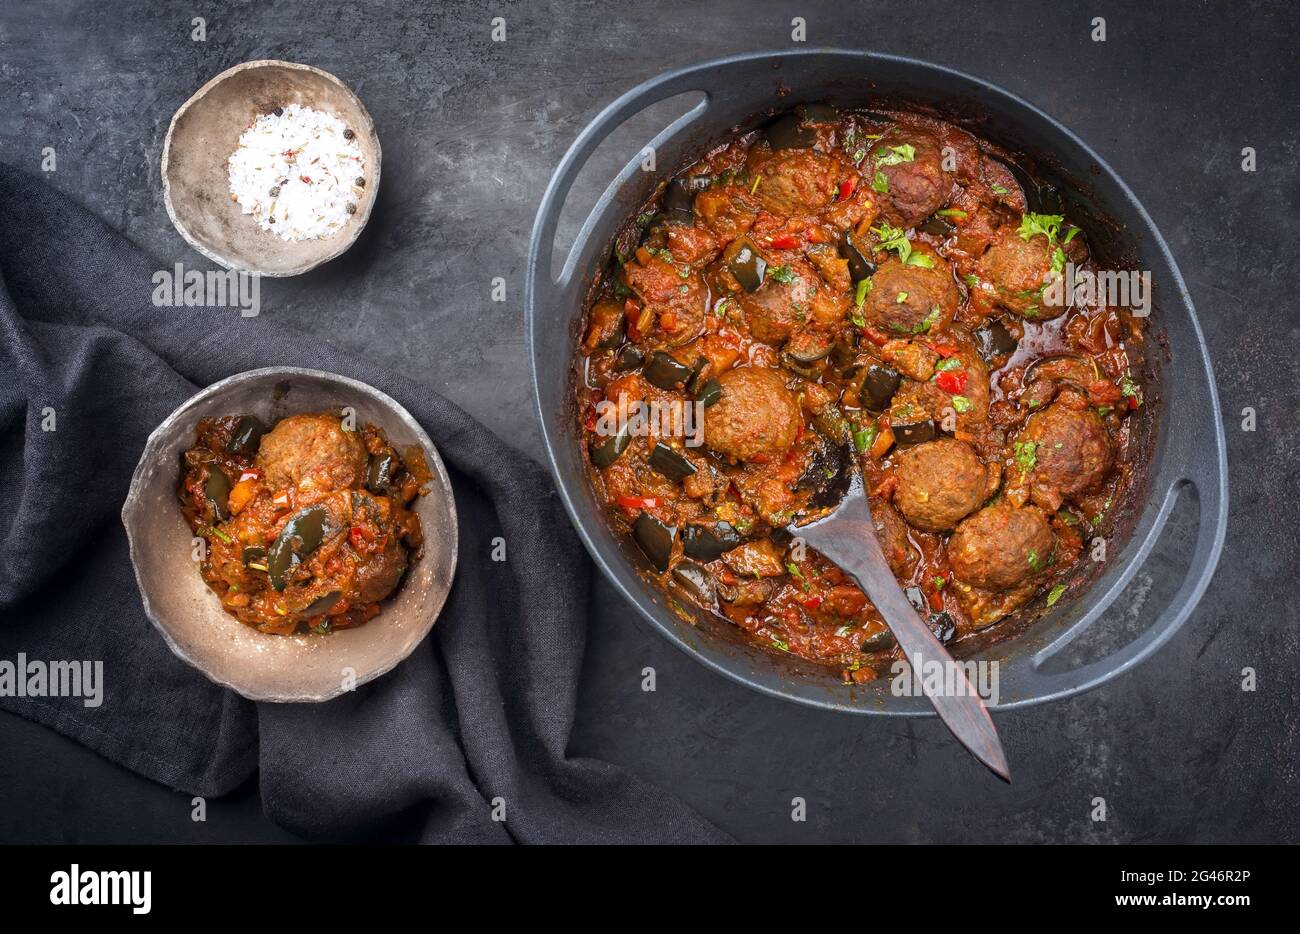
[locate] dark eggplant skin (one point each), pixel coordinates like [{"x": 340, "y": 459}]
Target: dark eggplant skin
[
  {"x": 216, "y": 491},
  {"x": 878, "y": 387},
  {"x": 379, "y": 476},
  {"x": 629, "y": 358},
  {"x": 253, "y": 553},
  {"x": 655, "y": 540},
  {"x": 992, "y": 340},
  {"x": 697, "y": 582},
  {"x": 670, "y": 463},
  {"x": 709, "y": 393},
  {"x": 879, "y": 642},
  {"x": 709, "y": 542},
  {"x": 322, "y": 604},
  {"x": 247, "y": 436},
  {"x": 861, "y": 265},
  {"x": 665, "y": 371},
  {"x": 747, "y": 265},
  {"x": 788, "y": 132},
  {"x": 606, "y": 451},
  {"x": 943, "y": 627},
  {"x": 301, "y": 535},
  {"x": 679, "y": 202},
  {"x": 915, "y": 433}
]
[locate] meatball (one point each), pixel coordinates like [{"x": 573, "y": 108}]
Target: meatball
[
  {"x": 794, "y": 182},
  {"x": 917, "y": 400},
  {"x": 792, "y": 294},
  {"x": 1018, "y": 269},
  {"x": 312, "y": 452},
  {"x": 379, "y": 575},
  {"x": 1066, "y": 450},
  {"x": 1000, "y": 546},
  {"x": 910, "y": 299},
  {"x": 917, "y": 188},
  {"x": 939, "y": 483},
  {"x": 756, "y": 419}
]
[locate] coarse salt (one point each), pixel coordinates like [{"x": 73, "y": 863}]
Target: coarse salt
[{"x": 297, "y": 173}]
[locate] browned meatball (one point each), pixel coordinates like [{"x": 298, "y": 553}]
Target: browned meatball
[
  {"x": 791, "y": 296},
  {"x": 939, "y": 483},
  {"x": 911, "y": 299},
  {"x": 919, "y": 187},
  {"x": 794, "y": 182},
  {"x": 756, "y": 418},
  {"x": 1066, "y": 450},
  {"x": 1000, "y": 546},
  {"x": 1018, "y": 269},
  {"x": 312, "y": 452}
]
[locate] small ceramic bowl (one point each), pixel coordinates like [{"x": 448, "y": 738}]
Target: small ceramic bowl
[
  {"x": 206, "y": 130},
  {"x": 189, "y": 615}
]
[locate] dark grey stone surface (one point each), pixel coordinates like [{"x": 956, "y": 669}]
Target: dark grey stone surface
[{"x": 471, "y": 131}]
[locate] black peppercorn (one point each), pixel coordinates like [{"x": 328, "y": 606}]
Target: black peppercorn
[
  {"x": 352, "y": 208},
  {"x": 361, "y": 182},
  {"x": 279, "y": 111},
  {"x": 275, "y": 191},
  {"x": 348, "y": 134}
]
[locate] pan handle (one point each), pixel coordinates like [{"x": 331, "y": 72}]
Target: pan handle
[
  {"x": 541, "y": 285},
  {"x": 1200, "y": 454}
]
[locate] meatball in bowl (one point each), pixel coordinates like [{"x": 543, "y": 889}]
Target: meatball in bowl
[{"x": 293, "y": 533}]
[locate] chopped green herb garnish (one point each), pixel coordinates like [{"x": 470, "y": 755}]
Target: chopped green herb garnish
[
  {"x": 948, "y": 363},
  {"x": 999, "y": 190},
  {"x": 929, "y": 321},
  {"x": 219, "y": 534},
  {"x": 939, "y": 582},
  {"x": 781, "y": 273},
  {"x": 1036, "y": 563},
  {"x": 961, "y": 403},
  {"x": 863, "y": 290},
  {"x": 783, "y": 646},
  {"x": 952, "y": 212},
  {"x": 895, "y": 155},
  {"x": 1049, "y": 225},
  {"x": 865, "y": 437},
  {"x": 1026, "y": 454},
  {"x": 879, "y": 183},
  {"x": 1055, "y": 594},
  {"x": 900, "y": 298}
]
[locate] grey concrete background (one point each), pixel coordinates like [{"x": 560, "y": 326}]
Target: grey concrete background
[{"x": 471, "y": 131}]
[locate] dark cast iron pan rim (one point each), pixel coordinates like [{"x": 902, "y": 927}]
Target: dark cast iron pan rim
[{"x": 1214, "y": 458}]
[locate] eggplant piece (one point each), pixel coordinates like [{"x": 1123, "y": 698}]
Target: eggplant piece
[
  {"x": 878, "y": 387},
  {"x": 709, "y": 393},
  {"x": 788, "y": 132},
  {"x": 915, "y": 433},
  {"x": 709, "y": 542},
  {"x": 665, "y": 371},
  {"x": 805, "y": 347},
  {"x": 916, "y": 598},
  {"x": 697, "y": 582},
  {"x": 992, "y": 339},
  {"x": 379, "y": 476},
  {"x": 845, "y": 351},
  {"x": 670, "y": 463},
  {"x": 746, "y": 264},
  {"x": 322, "y": 604},
  {"x": 937, "y": 226},
  {"x": 831, "y": 422},
  {"x": 818, "y": 113},
  {"x": 1040, "y": 198},
  {"x": 607, "y": 451},
  {"x": 247, "y": 436},
  {"x": 879, "y": 642},
  {"x": 654, "y": 539},
  {"x": 301, "y": 535},
  {"x": 861, "y": 265},
  {"x": 254, "y": 554},
  {"x": 629, "y": 358},
  {"x": 829, "y": 473},
  {"x": 679, "y": 202},
  {"x": 943, "y": 627},
  {"x": 216, "y": 491},
  {"x": 697, "y": 371}
]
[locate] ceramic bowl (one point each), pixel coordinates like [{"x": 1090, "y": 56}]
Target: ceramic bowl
[
  {"x": 266, "y": 667},
  {"x": 206, "y": 130}
]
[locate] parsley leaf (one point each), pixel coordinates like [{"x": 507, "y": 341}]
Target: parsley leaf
[
  {"x": 1055, "y": 594},
  {"x": 895, "y": 155},
  {"x": 1026, "y": 454},
  {"x": 1049, "y": 225}
]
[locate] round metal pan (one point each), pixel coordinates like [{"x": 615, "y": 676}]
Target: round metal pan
[{"x": 1180, "y": 431}]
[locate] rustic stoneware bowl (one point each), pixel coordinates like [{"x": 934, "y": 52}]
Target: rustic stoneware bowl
[
  {"x": 205, "y": 131},
  {"x": 189, "y": 616}
]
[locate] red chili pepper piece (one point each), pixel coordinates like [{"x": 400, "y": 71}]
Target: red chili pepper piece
[
  {"x": 812, "y": 602},
  {"x": 876, "y": 336},
  {"x": 942, "y": 348},
  {"x": 638, "y": 502},
  {"x": 952, "y": 381},
  {"x": 784, "y": 242},
  {"x": 846, "y": 189}
]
